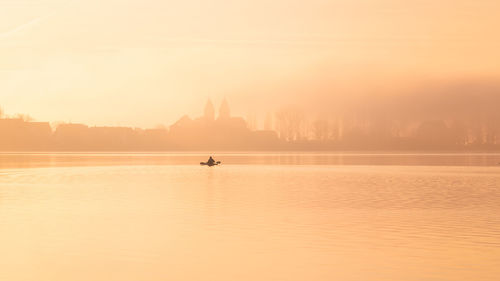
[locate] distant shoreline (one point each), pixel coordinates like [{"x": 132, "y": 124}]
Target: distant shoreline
[{"x": 265, "y": 152}]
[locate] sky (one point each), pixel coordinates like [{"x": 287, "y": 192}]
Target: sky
[{"x": 143, "y": 63}]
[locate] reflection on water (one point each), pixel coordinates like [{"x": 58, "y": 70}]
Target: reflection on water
[
  {"x": 256, "y": 217},
  {"x": 29, "y": 160}
]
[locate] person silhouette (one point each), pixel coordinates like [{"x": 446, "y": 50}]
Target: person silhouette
[{"x": 210, "y": 161}]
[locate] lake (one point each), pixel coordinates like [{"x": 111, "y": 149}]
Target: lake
[{"x": 258, "y": 216}]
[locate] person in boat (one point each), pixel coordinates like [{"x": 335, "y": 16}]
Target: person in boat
[{"x": 210, "y": 161}]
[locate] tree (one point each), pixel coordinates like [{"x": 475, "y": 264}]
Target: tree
[
  {"x": 320, "y": 129},
  {"x": 268, "y": 123},
  {"x": 290, "y": 122},
  {"x": 24, "y": 117}
]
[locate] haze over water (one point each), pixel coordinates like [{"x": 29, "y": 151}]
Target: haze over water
[
  {"x": 103, "y": 101},
  {"x": 257, "y": 217}
]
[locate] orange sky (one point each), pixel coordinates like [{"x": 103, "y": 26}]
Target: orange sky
[{"x": 145, "y": 62}]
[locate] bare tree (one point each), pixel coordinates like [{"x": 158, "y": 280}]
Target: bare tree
[
  {"x": 252, "y": 121},
  {"x": 320, "y": 129},
  {"x": 290, "y": 122},
  {"x": 24, "y": 117},
  {"x": 268, "y": 123}
]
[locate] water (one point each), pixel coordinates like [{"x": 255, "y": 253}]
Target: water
[{"x": 257, "y": 217}]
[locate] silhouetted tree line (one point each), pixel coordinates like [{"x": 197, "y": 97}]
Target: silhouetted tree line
[
  {"x": 378, "y": 133},
  {"x": 461, "y": 121},
  {"x": 293, "y": 132},
  {"x": 448, "y": 117}
]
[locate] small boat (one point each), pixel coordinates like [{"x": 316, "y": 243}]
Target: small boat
[{"x": 210, "y": 164}]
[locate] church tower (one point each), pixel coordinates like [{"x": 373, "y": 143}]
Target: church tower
[
  {"x": 209, "y": 111},
  {"x": 224, "y": 111}
]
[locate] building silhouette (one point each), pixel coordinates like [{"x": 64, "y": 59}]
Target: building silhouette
[
  {"x": 220, "y": 130},
  {"x": 222, "y": 133},
  {"x": 224, "y": 111}
]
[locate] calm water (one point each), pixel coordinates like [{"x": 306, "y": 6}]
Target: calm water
[{"x": 133, "y": 217}]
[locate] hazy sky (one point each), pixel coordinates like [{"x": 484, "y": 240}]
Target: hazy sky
[{"x": 147, "y": 62}]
